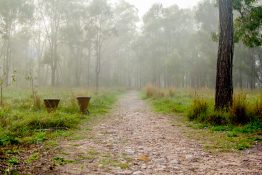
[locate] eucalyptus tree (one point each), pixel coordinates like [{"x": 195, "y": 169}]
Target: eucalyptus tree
[
  {"x": 248, "y": 22},
  {"x": 207, "y": 20},
  {"x": 248, "y": 30},
  {"x": 73, "y": 37},
  {"x": 166, "y": 38},
  {"x": 102, "y": 17},
  {"x": 125, "y": 29},
  {"x": 224, "y": 80},
  {"x": 53, "y": 19},
  {"x": 14, "y": 14}
]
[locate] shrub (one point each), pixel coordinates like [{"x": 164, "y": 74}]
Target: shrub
[
  {"x": 171, "y": 92},
  {"x": 153, "y": 92},
  {"x": 258, "y": 107},
  {"x": 238, "y": 110},
  {"x": 218, "y": 118},
  {"x": 8, "y": 139},
  {"x": 159, "y": 93},
  {"x": 150, "y": 91},
  {"x": 198, "y": 109},
  {"x": 37, "y": 102}
]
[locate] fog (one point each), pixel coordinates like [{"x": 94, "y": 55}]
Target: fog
[{"x": 98, "y": 43}]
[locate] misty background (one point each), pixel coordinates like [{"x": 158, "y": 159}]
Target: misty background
[{"x": 101, "y": 43}]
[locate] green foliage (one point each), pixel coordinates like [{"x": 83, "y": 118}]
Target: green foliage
[
  {"x": 247, "y": 25},
  {"x": 13, "y": 161},
  {"x": 61, "y": 161},
  {"x": 7, "y": 139},
  {"x": 32, "y": 158}
]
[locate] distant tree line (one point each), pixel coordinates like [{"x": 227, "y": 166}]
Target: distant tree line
[{"x": 97, "y": 43}]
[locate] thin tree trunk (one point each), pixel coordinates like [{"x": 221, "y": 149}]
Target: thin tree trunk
[
  {"x": 98, "y": 67},
  {"x": 53, "y": 76},
  {"x": 88, "y": 65},
  {"x": 224, "y": 82},
  {"x": 253, "y": 72}
]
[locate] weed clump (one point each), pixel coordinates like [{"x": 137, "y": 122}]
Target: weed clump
[
  {"x": 218, "y": 118},
  {"x": 258, "y": 107},
  {"x": 37, "y": 101},
  {"x": 154, "y": 92},
  {"x": 171, "y": 92},
  {"x": 198, "y": 109},
  {"x": 240, "y": 113},
  {"x": 150, "y": 91},
  {"x": 238, "y": 110}
]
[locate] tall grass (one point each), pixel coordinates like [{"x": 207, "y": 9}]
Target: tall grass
[
  {"x": 241, "y": 112},
  {"x": 239, "y": 109},
  {"x": 154, "y": 92},
  {"x": 258, "y": 107},
  {"x": 199, "y": 106}
]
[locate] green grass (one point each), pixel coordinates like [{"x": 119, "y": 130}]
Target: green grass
[
  {"x": 175, "y": 104},
  {"x": 20, "y": 122},
  {"x": 217, "y": 131}
]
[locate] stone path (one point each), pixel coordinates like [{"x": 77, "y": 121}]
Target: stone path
[{"x": 135, "y": 141}]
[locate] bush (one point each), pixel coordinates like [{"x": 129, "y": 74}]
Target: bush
[
  {"x": 198, "y": 109},
  {"x": 218, "y": 118},
  {"x": 238, "y": 110},
  {"x": 258, "y": 107},
  {"x": 171, "y": 92},
  {"x": 150, "y": 91},
  {"x": 8, "y": 139},
  {"x": 37, "y": 102}
]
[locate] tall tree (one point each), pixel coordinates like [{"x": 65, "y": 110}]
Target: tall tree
[
  {"x": 12, "y": 14},
  {"x": 53, "y": 18},
  {"x": 100, "y": 12},
  {"x": 224, "y": 80},
  {"x": 248, "y": 22}
]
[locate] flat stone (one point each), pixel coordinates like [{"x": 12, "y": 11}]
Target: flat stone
[
  {"x": 130, "y": 152},
  {"x": 161, "y": 161},
  {"x": 143, "y": 166},
  {"x": 175, "y": 162},
  {"x": 138, "y": 173},
  {"x": 126, "y": 172},
  {"x": 191, "y": 158},
  {"x": 161, "y": 168}
]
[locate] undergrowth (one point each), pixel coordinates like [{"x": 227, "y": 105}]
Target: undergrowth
[
  {"x": 24, "y": 119},
  {"x": 239, "y": 128}
]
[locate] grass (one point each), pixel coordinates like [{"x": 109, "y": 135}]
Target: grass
[
  {"x": 238, "y": 129},
  {"x": 22, "y": 122}
]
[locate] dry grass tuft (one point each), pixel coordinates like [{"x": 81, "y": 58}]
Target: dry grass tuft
[{"x": 239, "y": 109}]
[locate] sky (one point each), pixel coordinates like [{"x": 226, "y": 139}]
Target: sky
[{"x": 144, "y": 5}]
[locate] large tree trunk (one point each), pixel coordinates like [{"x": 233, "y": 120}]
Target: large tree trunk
[{"x": 224, "y": 82}]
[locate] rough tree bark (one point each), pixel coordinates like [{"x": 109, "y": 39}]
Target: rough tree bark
[{"x": 224, "y": 82}]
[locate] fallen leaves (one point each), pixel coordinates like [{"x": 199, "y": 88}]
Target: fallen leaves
[{"x": 144, "y": 158}]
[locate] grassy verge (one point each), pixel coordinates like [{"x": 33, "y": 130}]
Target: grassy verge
[
  {"x": 24, "y": 123},
  {"x": 238, "y": 129}
]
